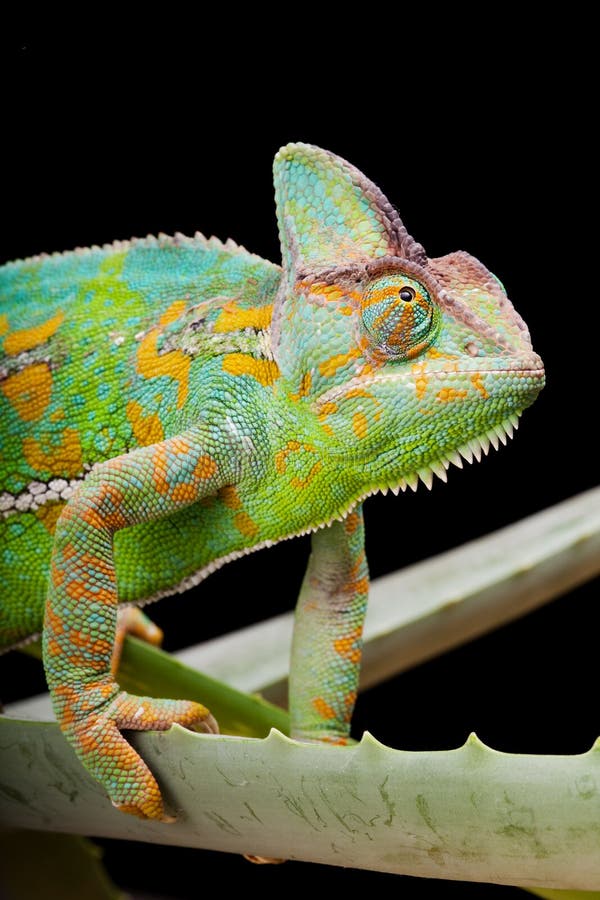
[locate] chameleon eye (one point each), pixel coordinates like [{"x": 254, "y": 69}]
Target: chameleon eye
[{"x": 399, "y": 315}]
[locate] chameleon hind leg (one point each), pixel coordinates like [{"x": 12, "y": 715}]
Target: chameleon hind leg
[
  {"x": 81, "y": 614},
  {"x": 327, "y": 642}
]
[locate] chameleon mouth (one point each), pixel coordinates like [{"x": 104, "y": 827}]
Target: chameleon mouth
[{"x": 473, "y": 449}]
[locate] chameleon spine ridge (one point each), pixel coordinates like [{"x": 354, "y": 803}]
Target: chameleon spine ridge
[{"x": 150, "y": 241}]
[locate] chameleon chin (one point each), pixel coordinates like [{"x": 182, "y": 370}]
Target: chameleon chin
[{"x": 170, "y": 403}]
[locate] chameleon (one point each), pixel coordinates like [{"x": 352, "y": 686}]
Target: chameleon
[{"x": 171, "y": 403}]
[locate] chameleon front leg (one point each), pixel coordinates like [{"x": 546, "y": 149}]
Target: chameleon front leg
[
  {"x": 81, "y": 612},
  {"x": 326, "y": 647}
]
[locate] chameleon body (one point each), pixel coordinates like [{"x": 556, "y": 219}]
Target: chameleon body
[{"x": 170, "y": 403}]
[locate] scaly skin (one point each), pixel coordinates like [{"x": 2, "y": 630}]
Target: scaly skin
[{"x": 225, "y": 404}]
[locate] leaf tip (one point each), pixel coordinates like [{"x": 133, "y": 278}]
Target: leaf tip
[
  {"x": 278, "y": 737},
  {"x": 367, "y": 740},
  {"x": 473, "y": 742}
]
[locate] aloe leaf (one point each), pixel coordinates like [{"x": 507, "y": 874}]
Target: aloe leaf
[
  {"x": 561, "y": 551},
  {"x": 469, "y": 814}
]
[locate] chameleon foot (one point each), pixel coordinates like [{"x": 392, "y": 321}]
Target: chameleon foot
[
  {"x": 131, "y": 620},
  {"x": 104, "y": 751}
]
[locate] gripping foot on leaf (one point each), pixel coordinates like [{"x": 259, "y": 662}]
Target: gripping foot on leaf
[{"x": 97, "y": 739}]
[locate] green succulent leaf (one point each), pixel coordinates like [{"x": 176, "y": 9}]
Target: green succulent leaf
[{"x": 469, "y": 814}]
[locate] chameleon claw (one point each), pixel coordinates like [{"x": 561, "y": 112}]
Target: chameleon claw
[
  {"x": 168, "y": 820},
  {"x": 133, "y": 810},
  {"x": 209, "y": 725}
]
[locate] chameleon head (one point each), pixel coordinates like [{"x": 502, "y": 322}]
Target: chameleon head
[{"x": 409, "y": 362}]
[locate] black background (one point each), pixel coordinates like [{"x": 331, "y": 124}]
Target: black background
[{"x": 481, "y": 136}]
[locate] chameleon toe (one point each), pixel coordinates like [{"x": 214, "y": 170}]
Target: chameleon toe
[{"x": 208, "y": 725}]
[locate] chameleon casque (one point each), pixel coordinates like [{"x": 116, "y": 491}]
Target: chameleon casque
[{"x": 168, "y": 404}]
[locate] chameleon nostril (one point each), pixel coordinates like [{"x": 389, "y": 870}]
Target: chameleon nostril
[{"x": 472, "y": 349}]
